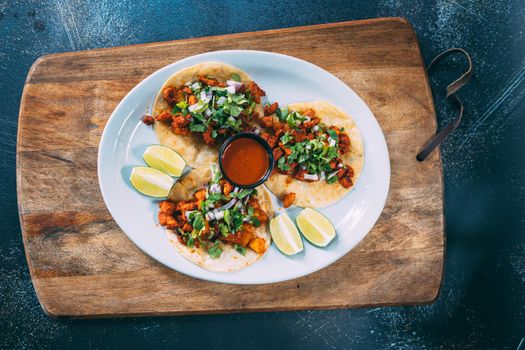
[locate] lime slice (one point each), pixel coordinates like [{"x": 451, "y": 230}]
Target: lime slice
[
  {"x": 151, "y": 182},
  {"x": 285, "y": 235},
  {"x": 315, "y": 227},
  {"x": 164, "y": 159}
]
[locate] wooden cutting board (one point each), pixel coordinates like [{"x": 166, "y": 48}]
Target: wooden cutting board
[{"x": 83, "y": 265}]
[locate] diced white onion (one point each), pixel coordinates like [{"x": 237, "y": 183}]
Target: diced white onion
[
  {"x": 210, "y": 216},
  {"x": 297, "y": 122},
  {"x": 308, "y": 146},
  {"x": 238, "y": 204},
  {"x": 221, "y": 100},
  {"x": 215, "y": 188},
  {"x": 196, "y": 85},
  {"x": 193, "y": 108},
  {"x": 316, "y": 128},
  {"x": 219, "y": 215},
  {"x": 207, "y": 112},
  {"x": 230, "y": 89},
  {"x": 236, "y": 189},
  {"x": 246, "y": 219},
  {"x": 332, "y": 174},
  {"x": 340, "y": 165},
  {"x": 228, "y": 205},
  {"x": 313, "y": 177},
  {"x": 307, "y": 118},
  {"x": 188, "y": 213},
  {"x": 188, "y": 83},
  {"x": 331, "y": 141},
  {"x": 257, "y": 131},
  {"x": 303, "y": 166},
  {"x": 236, "y": 84},
  {"x": 323, "y": 176}
]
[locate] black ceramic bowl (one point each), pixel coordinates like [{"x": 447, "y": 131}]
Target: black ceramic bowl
[{"x": 267, "y": 148}]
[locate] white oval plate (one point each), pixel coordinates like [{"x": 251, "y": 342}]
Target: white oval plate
[{"x": 286, "y": 80}]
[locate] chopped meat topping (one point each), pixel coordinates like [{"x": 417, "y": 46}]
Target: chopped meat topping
[
  {"x": 148, "y": 120},
  {"x": 288, "y": 199}
]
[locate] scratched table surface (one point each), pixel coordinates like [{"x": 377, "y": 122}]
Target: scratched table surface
[{"x": 482, "y": 301}]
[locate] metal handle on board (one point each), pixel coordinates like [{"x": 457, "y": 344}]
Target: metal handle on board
[{"x": 452, "y": 88}]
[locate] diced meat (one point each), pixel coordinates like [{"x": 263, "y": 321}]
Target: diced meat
[
  {"x": 309, "y": 113},
  {"x": 184, "y": 206},
  {"x": 179, "y": 125},
  {"x": 270, "y": 109},
  {"x": 192, "y": 100},
  {"x": 299, "y": 175},
  {"x": 260, "y": 215},
  {"x": 267, "y": 122},
  {"x": 208, "y": 81},
  {"x": 206, "y": 136},
  {"x": 148, "y": 120},
  {"x": 187, "y": 90},
  {"x": 187, "y": 227},
  {"x": 200, "y": 195},
  {"x": 344, "y": 143},
  {"x": 277, "y": 153},
  {"x": 346, "y": 178},
  {"x": 167, "y": 220},
  {"x": 256, "y": 91},
  {"x": 288, "y": 199},
  {"x": 227, "y": 188},
  {"x": 167, "y": 207},
  {"x": 298, "y": 135},
  {"x": 241, "y": 237},
  {"x": 165, "y": 117},
  {"x": 170, "y": 95},
  {"x": 272, "y": 140},
  {"x": 332, "y": 164},
  {"x": 313, "y": 122},
  {"x": 258, "y": 245}
]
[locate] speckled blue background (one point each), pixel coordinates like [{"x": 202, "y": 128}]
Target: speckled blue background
[{"x": 482, "y": 302}]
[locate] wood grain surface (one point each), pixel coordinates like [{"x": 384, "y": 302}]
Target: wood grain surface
[{"x": 83, "y": 265}]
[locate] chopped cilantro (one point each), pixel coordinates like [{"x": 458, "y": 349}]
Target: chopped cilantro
[
  {"x": 285, "y": 138},
  {"x": 215, "y": 250},
  {"x": 198, "y": 127},
  {"x": 243, "y": 193},
  {"x": 240, "y": 249},
  {"x": 332, "y": 134},
  {"x": 197, "y": 221},
  {"x": 236, "y": 77},
  {"x": 256, "y": 222}
]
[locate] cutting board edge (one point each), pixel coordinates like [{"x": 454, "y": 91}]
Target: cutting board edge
[
  {"x": 45, "y": 58},
  {"x": 42, "y": 59}
]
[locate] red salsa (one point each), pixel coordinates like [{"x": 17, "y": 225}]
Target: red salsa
[{"x": 245, "y": 161}]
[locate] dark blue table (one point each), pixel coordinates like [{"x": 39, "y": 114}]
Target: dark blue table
[{"x": 482, "y": 301}]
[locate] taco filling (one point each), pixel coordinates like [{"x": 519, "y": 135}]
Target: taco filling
[
  {"x": 305, "y": 148},
  {"x": 211, "y": 107},
  {"x": 217, "y": 213}
]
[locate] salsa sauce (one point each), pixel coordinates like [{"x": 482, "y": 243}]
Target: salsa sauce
[{"x": 245, "y": 161}]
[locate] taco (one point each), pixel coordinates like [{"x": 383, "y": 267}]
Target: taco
[
  {"x": 199, "y": 106},
  {"x": 214, "y": 224},
  {"x": 318, "y": 152}
]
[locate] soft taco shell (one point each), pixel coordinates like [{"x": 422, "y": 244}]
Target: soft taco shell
[
  {"x": 191, "y": 147},
  {"x": 230, "y": 259},
  {"x": 320, "y": 193}
]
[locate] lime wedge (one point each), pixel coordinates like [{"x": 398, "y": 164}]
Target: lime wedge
[
  {"x": 315, "y": 227},
  {"x": 285, "y": 235},
  {"x": 151, "y": 182},
  {"x": 164, "y": 159}
]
